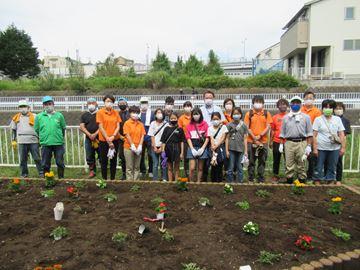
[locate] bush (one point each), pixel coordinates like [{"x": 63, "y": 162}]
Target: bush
[{"x": 157, "y": 80}]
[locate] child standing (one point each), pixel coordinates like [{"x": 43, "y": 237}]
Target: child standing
[
  {"x": 172, "y": 141},
  {"x": 236, "y": 145},
  {"x": 217, "y": 133}
]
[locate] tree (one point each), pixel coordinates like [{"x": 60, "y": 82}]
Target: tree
[
  {"x": 130, "y": 72},
  {"x": 161, "y": 63},
  {"x": 179, "y": 66},
  {"x": 18, "y": 57},
  {"x": 109, "y": 68},
  {"x": 194, "y": 67},
  {"x": 213, "y": 65}
]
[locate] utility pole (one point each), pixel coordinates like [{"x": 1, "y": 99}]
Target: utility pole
[
  {"x": 244, "y": 42},
  {"x": 147, "y": 56}
]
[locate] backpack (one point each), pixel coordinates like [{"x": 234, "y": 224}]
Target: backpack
[{"x": 251, "y": 114}]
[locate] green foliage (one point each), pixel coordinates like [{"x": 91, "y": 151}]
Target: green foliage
[
  {"x": 191, "y": 266},
  {"x": 48, "y": 193},
  {"x": 168, "y": 237},
  {"x": 161, "y": 63},
  {"x": 228, "y": 189},
  {"x": 130, "y": 72},
  {"x": 262, "y": 193},
  {"x": 119, "y": 238},
  {"x": 194, "y": 67},
  {"x": 334, "y": 192},
  {"x": 101, "y": 184},
  {"x": 59, "y": 233},
  {"x": 341, "y": 234},
  {"x": 135, "y": 188},
  {"x": 244, "y": 205},
  {"x": 109, "y": 68},
  {"x": 335, "y": 208},
  {"x": 80, "y": 184},
  {"x": 216, "y": 82},
  {"x": 213, "y": 65},
  {"x": 203, "y": 201},
  {"x": 157, "y": 200},
  {"x": 178, "y": 67},
  {"x": 18, "y": 57},
  {"x": 110, "y": 197},
  {"x": 251, "y": 228},
  {"x": 48, "y": 82},
  {"x": 266, "y": 257},
  {"x": 157, "y": 79}
]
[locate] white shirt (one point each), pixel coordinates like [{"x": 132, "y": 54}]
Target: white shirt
[
  {"x": 208, "y": 111},
  {"x": 154, "y": 127},
  {"x": 212, "y": 131},
  {"x": 335, "y": 125}
]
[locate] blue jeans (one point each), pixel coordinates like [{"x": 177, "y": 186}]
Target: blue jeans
[
  {"x": 90, "y": 154},
  {"x": 235, "y": 164},
  {"x": 46, "y": 155},
  {"x": 156, "y": 158},
  {"x": 330, "y": 158},
  {"x": 24, "y": 150}
]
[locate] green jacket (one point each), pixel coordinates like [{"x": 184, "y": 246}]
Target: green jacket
[{"x": 50, "y": 128}]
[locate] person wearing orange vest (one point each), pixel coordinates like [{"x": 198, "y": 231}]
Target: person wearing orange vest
[{"x": 25, "y": 138}]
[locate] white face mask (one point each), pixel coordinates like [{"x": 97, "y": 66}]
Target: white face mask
[
  {"x": 49, "y": 108},
  {"x": 308, "y": 102},
  {"x": 144, "y": 106},
  {"x": 159, "y": 116},
  {"x": 196, "y": 117},
  {"x": 91, "y": 107},
  {"x": 339, "y": 112},
  {"x": 258, "y": 106},
  {"x": 169, "y": 107},
  {"x": 216, "y": 123},
  {"x": 228, "y": 107},
  {"x": 209, "y": 102},
  {"x": 24, "y": 110},
  {"x": 134, "y": 116},
  {"x": 109, "y": 104},
  {"x": 187, "y": 109}
]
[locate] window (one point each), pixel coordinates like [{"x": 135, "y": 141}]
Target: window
[
  {"x": 349, "y": 13},
  {"x": 352, "y": 45}
]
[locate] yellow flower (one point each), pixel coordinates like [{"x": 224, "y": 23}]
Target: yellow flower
[
  {"x": 16, "y": 181},
  {"x": 49, "y": 174},
  {"x": 296, "y": 182},
  {"x": 336, "y": 199},
  {"x": 300, "y": 185}
]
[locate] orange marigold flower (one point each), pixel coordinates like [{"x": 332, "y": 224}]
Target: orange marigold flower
[
  {"x": 336, "y": 199},
  {"x": 38, "y": 268},
  {"x": 184, "y": 180},
  {"x": 57, "y": 266},
  {"x": 49, "y": 268},
  {"x": 16, "y": 181}
]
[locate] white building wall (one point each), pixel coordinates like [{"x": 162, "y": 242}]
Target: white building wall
[{"x": 328, "y": 27}]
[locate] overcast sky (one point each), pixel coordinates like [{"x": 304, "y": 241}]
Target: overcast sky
[{"x": 125, "y": 27}]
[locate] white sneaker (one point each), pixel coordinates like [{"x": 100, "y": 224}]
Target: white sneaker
[
  {"x": 164, "y": 180},
  {"x": 151, "y": 175}
]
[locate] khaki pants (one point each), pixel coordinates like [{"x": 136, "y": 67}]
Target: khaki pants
[
  {"x": 132, "y": 165},
  {"x": 294, "y": 152}
]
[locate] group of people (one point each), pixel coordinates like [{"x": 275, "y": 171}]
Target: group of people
[{"x": 155, "y": 142}]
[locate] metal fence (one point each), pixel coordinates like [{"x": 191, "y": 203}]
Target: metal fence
[
  {"x": 75, "y": 151},
  {"x": 78, "y": 103}
]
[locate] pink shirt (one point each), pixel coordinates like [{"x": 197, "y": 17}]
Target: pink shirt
[{"x": 191, "y": 130}]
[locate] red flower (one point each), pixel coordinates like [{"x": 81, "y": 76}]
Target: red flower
[
  {"x": 70, "y": 190},
  {"x": 162, "y": 204}
]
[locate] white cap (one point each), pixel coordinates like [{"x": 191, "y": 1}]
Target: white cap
[
  {"x": 144, "y": 99},
  {"x": 296, "y": 98},
  {"x": 23, "y": 102}
]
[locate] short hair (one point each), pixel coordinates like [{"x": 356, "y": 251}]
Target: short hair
[
  {"x": 169, "y": 100},
  {"x": 309, "y": 92},
  {"x": 216, "y": 114},
  {"x": 209, "y": 92},
  {"x": 229, "y": 99},
  {"x": 158, "y": 110},
  {"x": 238, "y": 109},
  {"x": 282, "y": 101},
  {"x": 173, "y": 113},
  {"x": 110, "y": 97},
  {"x": 196, "y": 110},
  {"x": 187, "y": 104},
  {"x": 134, "y": 109},
  {"x": 258, "y": 98},
  {"x": 328, "y": 102},
  {"x": 340, "y": 104}
]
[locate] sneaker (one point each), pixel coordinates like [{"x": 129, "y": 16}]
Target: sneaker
[
  {"x": 92, "y": 174},
  {"x": 164, "y": 180},
  {"x": 151, "y": 175}
]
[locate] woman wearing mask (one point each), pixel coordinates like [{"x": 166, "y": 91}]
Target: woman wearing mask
[
  {"x": 184, "y": 120},
  {"x": 173, "y": 146},
  {"x": 134, "y": 132},
  {"x": 236, "y": 145},
  {"x": 156, "y": 130},
  {"x": 197, "y": 139},
  {"x": 109, "y": 138},
  {"x": 229, "y": 105},
  {"x": 217, "y": 133},
  {"x": 329, "y": 142}
]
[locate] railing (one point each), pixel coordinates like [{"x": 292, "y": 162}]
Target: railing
[
  {"x": 78, "y": 103},
  {"x": 75, "y": 151}
]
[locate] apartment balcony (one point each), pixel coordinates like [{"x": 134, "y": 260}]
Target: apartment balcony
[
  {"x": 316, "y": 73},
  {"x": 295, "y": 38}
]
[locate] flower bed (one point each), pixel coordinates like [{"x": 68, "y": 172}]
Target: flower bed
[{"x": 212, "y": 236}]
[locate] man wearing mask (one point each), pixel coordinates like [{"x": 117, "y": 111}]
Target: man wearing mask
[
  {"x": 312, "y": 111},
  {"x": 90, "y": 128},
  {"x": 258, "y": 121},
  {"x": 208, "y": 108},
  {"x": 275, "y": 140},
  {"x": 124, "y": 115},
  {"x": 146, "y": 117},
  {"x": 169, "y": 107},
  {"x": 50, "y": 127},
  {"x": 25, "y": 138},
  {"x": 296, "y": 133}
]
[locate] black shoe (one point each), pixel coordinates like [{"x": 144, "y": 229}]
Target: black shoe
[
  {"x": 123, "y": 177},
  {"x": 289, "y": 181}
]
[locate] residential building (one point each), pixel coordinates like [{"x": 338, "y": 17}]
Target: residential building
[{"x": 268, "y": 60}]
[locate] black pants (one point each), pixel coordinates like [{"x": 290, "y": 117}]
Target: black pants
[
  {"x": 217, "y": 172},
  {"x": 277, "y": 158},
  {"x": 312, "y": 160},
  {"x": 259, "y": 154},
  {"x": 103, "y": 150},
  {"x": 122, "y": 157},
  {"x": 147, "y": 148}
]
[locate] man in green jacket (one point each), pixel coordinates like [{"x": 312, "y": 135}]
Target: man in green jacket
[{"x": 50, "y": 127}]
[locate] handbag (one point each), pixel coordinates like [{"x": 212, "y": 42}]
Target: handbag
[{"x": 334, "y": 138}]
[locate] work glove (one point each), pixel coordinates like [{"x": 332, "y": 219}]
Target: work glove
[
  {"x": 111, "y": 153},
  {"x": 139, "y": 150},
  {"x": 14, "y": 144},
  {"x": 194, "y": 152},
  {"x": 200, "y": 152},
  {"x": 133, "y": 148},
  {"x": 308, "y": 150},
  {"x": 281, "y": 148}
]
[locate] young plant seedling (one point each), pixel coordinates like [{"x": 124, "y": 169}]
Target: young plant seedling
[
  {"x": 334, "y": 192},
  {"x": 168, "y": 237},
  {"x": 135, "y": 188},
  {"x": 262, "y": 193},
  {"x": 191, "y": 266},
  {"x": 50, "y": 180},
  {"x": 48, "y": 193},
  {"x": 157, "y": 200},
  {"x": 119, "y": 239},
  {"x": 244, "y": 205},
  {"x": 228, "y": 189},
  {"x": 203, "y": 201},
  {"x": 266, "y": 257},
  {"x": 110, "y": 197},
  {"x": 341, "y": 234},
  {"x": 59, "y": 233},
  {"x": 336, "y": 206},
  {"x": 251, "y": 228},
  {"x": 101, "y": 184},
  {"x": 80, "y": 184}
]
